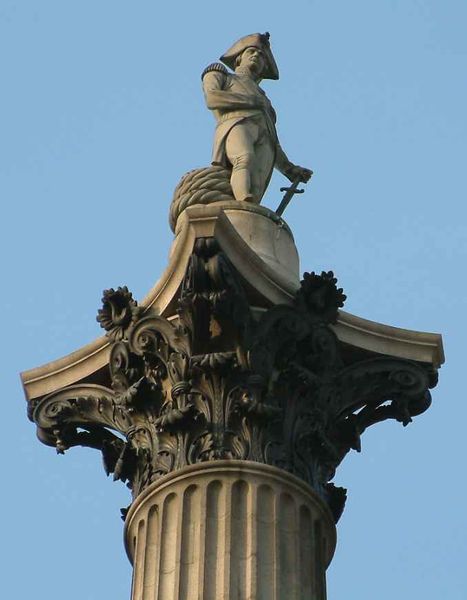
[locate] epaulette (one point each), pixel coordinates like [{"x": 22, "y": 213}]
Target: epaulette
[{"x": 219, "y": 67}]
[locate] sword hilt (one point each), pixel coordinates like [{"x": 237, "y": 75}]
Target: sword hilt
[
  {"x": 292, "y": 189},
  {"x": 289, "y": 194}
]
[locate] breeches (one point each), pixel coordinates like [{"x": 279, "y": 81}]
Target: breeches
[{"x": 251, "y": 153}]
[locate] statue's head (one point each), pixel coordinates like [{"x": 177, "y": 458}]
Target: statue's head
[
  {"x": 254, "y": 52},
  {"x": 253, "y": 59}
]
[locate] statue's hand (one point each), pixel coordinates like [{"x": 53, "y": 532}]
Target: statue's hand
[{"x": 294, "y": 172}]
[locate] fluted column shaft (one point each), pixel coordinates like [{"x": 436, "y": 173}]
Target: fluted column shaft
[{"x": 229, "y": 530}]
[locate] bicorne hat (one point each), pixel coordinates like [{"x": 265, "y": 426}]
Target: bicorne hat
[{"x": 254, "y": 40}]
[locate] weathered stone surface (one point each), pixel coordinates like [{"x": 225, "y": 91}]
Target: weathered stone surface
[
  {"x": 199, "y": 187},
  {"x": 229, "y": 530},
  {"x": 266, "y": 285},
  {"x": 246, "y": 140},
  {"x": 230, "y": 359},
  {"x": 227, "y": 399},
  {"x": 226, "y": 378}
]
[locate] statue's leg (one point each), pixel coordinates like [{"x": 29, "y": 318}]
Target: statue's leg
[
  {"x": 240, "y": 151},
  {"x": 265, "y": 156}
]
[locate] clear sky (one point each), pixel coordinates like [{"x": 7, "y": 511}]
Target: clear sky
[{"x": 101, "y": 112}]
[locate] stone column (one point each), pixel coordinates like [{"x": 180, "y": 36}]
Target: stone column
[
  {"x": 229, "y": 530},
  {"x": 226, "y": 402}
]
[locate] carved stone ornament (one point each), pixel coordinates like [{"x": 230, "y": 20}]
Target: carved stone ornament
[
  {"x": 223, "y": 381},
  {"x": 200, "y": 186}
]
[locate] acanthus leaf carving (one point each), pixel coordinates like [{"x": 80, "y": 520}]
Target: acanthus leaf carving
[{"x": 218, "y": 381}]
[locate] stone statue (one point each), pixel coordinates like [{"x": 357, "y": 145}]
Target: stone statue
[
  {"x": 246, "y": 146},
  {"x": 246, "y": 139}
]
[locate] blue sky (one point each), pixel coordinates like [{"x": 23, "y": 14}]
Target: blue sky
[{"x": 101, "y": 112}]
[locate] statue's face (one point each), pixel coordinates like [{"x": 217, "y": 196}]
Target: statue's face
[{"x": 253, "y": 59}]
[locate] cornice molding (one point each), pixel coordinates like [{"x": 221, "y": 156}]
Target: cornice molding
[{"x": 268, "y": 264}]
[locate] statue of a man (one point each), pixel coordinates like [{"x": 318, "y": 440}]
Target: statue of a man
[{"x": 246, "y": 138}]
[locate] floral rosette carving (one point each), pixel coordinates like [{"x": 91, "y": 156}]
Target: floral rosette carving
[
  {"x": 118, "y": 311},
  {"x": 320, "y": 295}
]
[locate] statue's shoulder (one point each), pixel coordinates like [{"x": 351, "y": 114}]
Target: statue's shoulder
[{"x": 216, "y": 68}]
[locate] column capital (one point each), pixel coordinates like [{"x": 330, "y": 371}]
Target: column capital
[{"x": 225, "y": 373}]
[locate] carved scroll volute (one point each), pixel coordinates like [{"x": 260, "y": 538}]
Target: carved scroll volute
[
  {"x": 385, "y": 388},
  {"x": 154, "y": 339},
  {"x": 164, "y": 349},
  {"x": 126, "y": 368},
  {"x": 80, "y": 415}
]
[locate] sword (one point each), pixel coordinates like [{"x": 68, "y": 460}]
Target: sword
[{"x": 289, "y": 194}]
